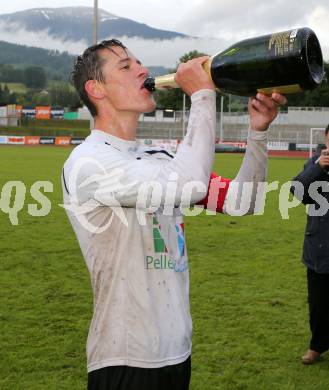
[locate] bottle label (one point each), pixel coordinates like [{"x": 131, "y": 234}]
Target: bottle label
[
  {"x": 282, "y": 43},
  {"x": 284, "y": 89},
  {"x": 294, "y": 33}
]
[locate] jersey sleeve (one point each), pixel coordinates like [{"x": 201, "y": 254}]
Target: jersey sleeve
[
  {"x": 240, "y": 196},
  {"x": 245, "y": 193}
]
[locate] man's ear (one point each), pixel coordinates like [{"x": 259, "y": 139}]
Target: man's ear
[{"x": 94, "y": 89}]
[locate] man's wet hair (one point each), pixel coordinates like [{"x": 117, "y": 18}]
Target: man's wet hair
[
  {"x": 326, "y": 130},
  {"x": 88, "y": 66}
]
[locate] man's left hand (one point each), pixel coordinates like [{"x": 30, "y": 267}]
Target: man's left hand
[{"x": 264, "y": 109}]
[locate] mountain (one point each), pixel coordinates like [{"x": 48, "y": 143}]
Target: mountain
[
  {"x": 57, "y": 65},
  {"x": 76, "y": 24},
  {"x": 70, "y": 29}
]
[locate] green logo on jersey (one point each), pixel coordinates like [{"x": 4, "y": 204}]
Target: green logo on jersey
[{"x": 159, "y": 244}]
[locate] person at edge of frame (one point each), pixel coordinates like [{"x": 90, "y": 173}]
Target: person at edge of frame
[
  {"x": 140, "y": 334},
  {"x": 316, "y": 252}
]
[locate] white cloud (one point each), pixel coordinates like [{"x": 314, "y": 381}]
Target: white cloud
[
  {"x": 15, "y": 34},
  {"x": 236, "y": 18},
  {"x": 167, "y": 52},
  {"x": 227, "y": 21},
  {"x": 151, "y": 52},
  {"x": 318, "y": 20}
]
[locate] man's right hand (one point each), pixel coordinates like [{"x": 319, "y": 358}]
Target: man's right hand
[
  {"x": 191, "y": 76},
  {"x": 324, "y": 159}
]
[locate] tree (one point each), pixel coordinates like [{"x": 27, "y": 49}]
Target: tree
[
  {"x": 64, "y": 96},
  {"x": 318, "y": 97},
  {"x": 190, "y": 55},
  {"x": 35, "y": 77},
  {"x": 6, "y": 97},
  {"x": 10, "y": 74}
]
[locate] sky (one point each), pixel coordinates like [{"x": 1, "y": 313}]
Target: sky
[{"x": 226, "y": 21}]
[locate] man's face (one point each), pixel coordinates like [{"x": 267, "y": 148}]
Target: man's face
[
  {"x": 124, "y": 77},
  {"x": 327, "y": 140}
]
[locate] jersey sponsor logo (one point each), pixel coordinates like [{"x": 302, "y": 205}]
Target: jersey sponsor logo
[
  {"x": 162, "y": 261},
  {"x": 169, "y": 246}
]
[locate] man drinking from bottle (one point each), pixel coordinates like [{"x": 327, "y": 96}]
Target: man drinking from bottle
[{"x": 125, "y": 202}]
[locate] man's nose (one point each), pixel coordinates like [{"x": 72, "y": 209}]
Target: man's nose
[{"x": 143, "y": 71}]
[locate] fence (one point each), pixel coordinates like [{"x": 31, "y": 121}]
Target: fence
[{"x": 291, "y": 126}]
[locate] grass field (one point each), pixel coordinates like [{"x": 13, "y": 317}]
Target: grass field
[
  {"x": 15, "y": 87},
  {"x": 248, "y": 291},
  {"x": 22, "y": 88},
  {"x": 53, "y": 127}
]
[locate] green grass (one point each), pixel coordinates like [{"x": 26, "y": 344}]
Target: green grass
[
  {"x": 248, "y": 291},
  {"x": 51, "y": 127},
  {"x": 15, "y": 87},
  {"x": 22, "y": 88}
]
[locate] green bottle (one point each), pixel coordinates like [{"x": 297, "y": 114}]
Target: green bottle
[{"x": 286, "y": 62}]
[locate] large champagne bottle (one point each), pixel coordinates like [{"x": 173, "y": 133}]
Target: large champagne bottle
[{"x": 286, "y": 62}]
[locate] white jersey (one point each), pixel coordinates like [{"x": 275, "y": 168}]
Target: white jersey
[{"x": 137, "y": 255}]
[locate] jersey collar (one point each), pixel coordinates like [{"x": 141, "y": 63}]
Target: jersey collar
[{"x": 100, "y": 136}]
